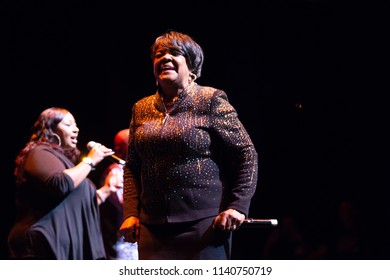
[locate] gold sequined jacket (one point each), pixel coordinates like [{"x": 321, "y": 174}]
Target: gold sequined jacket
[{"x": 190, "y": 163}]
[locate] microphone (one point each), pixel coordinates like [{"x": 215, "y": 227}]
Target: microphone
[
  {"x": 260, "y": 223},
  {"x": 91, "y": 144}
]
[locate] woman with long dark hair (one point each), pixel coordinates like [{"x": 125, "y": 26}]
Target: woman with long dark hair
[{"x": 57, "y": 205}]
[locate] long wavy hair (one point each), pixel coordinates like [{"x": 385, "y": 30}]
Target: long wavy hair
[{"x": 44, "y": 133}]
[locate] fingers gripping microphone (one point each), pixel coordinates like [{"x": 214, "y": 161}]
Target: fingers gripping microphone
[{"x": 91, "y": 144}]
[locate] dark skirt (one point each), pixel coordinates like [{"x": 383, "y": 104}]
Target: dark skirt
[{"x": 195, "y": 240}]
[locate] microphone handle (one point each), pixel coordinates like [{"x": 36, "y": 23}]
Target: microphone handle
[
  {"x": 261, "y": 223},
  {"x": 119, "y": 160}
]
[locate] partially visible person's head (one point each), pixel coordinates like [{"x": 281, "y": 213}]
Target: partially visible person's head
[
  {"x": 178, "y": 43},
  {"x": 121, "y": 139},
  {"x": 120, "y": 143}
]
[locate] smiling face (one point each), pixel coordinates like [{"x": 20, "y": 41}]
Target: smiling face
[
  {"x": 68, "y": 131},
  {"x": 170, "y": 68}
]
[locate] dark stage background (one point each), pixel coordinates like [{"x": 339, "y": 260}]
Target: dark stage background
[{"x": 304, "y": 76}]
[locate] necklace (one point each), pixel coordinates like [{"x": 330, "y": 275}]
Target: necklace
[
  {"x": 166, "y": 113},
  {"x": 168, "y": 106}
]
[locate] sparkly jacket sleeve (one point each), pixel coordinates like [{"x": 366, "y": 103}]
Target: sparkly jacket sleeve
[
  {"x": 131, "y": 193},
  {"x": 237, "y": 154}
]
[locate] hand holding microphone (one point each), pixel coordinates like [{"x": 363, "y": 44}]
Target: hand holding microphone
[
  {"x": 97, "y": 152},
  {"x": 92, "y": 145}
]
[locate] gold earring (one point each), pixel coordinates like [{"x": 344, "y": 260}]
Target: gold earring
[{"x": 192, "y": 77}]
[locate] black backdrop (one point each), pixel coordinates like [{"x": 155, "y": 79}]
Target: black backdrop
[{"x": 303, "y": 76}]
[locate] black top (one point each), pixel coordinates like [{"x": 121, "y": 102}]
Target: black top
[{"x": 51, "y": 211}]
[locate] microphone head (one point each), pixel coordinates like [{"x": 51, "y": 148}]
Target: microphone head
[{"x": 91, "y": 144}]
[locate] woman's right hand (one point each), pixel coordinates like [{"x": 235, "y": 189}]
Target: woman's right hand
[
  {"x": 98, "y": 152},
  {"x": 79, "y": 172},
  {"x": 130, "y": 229}
]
